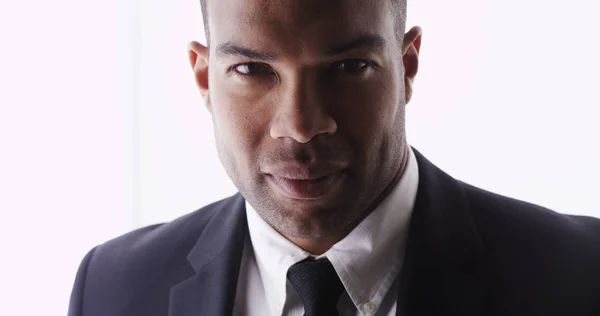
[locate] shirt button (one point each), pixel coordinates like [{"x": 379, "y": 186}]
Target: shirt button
[{"x": 369, "y": 307}]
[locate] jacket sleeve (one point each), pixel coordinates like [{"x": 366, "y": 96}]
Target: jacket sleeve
[{"x": 77, "y": 294}]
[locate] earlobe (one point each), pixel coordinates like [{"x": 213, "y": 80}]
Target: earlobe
[{"x": 198, "y": 58}]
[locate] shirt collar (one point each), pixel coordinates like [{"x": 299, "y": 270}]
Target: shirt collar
[{"x": 367, "y": 260}]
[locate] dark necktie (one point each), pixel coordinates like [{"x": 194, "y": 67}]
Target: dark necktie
[{"x": 318, "y": 286}]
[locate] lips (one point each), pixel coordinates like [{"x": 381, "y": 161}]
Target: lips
[{"x": 300, "y": 182}]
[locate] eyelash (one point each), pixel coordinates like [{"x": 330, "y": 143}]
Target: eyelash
[
  {"x": 367, "y": 64},
  {"x": 233, "y": 68}
]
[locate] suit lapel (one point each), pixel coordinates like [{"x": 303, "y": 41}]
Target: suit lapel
[
  {"x": 442, "y": 271},
  {"x": 216, "y": 259}
]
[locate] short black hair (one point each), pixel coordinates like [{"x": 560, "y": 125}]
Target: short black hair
[{"x": 400, "y": 15}]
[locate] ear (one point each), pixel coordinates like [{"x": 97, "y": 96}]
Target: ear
[
  {"x": 411, "y": 47},
  {"x": 198, "y": 55}
]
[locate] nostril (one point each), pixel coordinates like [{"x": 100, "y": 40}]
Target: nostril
[{"x": 302, "y": 121}]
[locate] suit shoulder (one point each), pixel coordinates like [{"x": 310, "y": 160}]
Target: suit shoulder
[
  {"x": 154, "y": 246},
  {"x": 143, "y": 265},
  {"x": 532, "y": 251},
  {"x": 502, "y": 216}
]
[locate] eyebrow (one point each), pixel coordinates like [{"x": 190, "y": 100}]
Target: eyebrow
[
  {"x": 232, "y": 49},
  {"x": 368, "y": 41}
]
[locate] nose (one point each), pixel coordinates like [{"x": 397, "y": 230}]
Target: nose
[{"x": 301, "y": 113}]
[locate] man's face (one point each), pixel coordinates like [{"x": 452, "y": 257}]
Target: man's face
[{"x": 308, "y": 104}]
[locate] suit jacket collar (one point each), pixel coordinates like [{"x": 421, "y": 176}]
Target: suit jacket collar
[{"x": 441, "y": 273}]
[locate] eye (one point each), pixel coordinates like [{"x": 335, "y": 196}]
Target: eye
[
  {"x": 251, "y": 69},
  {"x": 351, "y": 65}
]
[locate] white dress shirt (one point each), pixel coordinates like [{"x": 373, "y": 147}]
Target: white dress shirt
[{"x": 368, "y": 260}]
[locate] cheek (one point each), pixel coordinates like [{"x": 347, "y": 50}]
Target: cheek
[
  {"x": 239, "y": 126},
  {"x": 368, "y": 110}
]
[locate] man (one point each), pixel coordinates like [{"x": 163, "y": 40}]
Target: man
[{"x": 337, "y": 214}]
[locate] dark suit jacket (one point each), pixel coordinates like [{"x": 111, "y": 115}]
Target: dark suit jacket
[{"x": 470, "y": 252}]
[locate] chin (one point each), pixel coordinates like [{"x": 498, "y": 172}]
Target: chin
[{"x": 311, "y": 223}]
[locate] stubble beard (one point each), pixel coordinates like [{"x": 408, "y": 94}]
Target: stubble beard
[{"x": 326, "y": 219}]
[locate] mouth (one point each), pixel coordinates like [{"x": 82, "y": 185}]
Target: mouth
[{"x": 306, "y": 187}]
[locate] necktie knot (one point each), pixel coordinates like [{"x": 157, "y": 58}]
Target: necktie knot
[{"x": 318, "y": 286}]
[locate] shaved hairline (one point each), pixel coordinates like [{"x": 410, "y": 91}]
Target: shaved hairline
[{"x": 399, "y": 15}]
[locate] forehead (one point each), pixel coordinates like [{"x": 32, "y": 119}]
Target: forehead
[{"x": 295, "y": 26}]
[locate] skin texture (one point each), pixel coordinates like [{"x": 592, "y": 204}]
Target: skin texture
[{"x": 304, "y": 97}]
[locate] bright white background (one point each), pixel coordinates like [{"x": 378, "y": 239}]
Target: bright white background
[{"x": 102, "y": 129}]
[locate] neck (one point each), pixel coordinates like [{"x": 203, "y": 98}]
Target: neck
[{"x": 319, "y": 246}]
